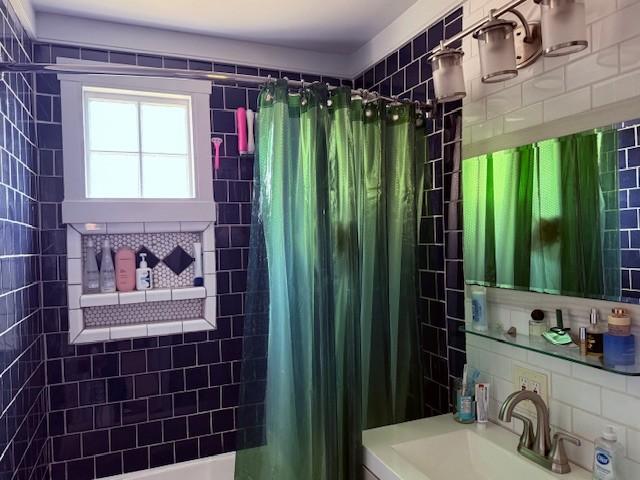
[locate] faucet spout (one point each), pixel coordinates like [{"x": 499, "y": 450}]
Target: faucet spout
[{"x": 542, "y": 440}]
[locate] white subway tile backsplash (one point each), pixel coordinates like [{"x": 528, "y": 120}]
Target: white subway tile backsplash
[
  {"x": 593, "y": 68},
  {"x": 590, "y": 427},
  {"x": 475, "y": 112},
  {"x": 630, "y": 54},
  {"x": 504, "y": 101},
  {"x": 633, "y": 444},
  {"x": 567, "y": 104},
  {"x": 560, "y": 415},
  {"x": 599, "y": 377},
  {"x": 574, "y": 392},
  {"x": 485, "y": 130},
  {"x": 543, "y": 86},
  {"x": 633, "y": 386},
  {"x": 621, "y": 408},
  {"x": 549, "y": 363},
  {"x": 582, "y": 455},
  {"x": 523, "y": 118},
  {"x": 616, "y": 28},
  {"x": 616, "y": 89}
]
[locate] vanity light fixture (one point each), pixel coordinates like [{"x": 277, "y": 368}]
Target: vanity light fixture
[
  {"x": 448, "y": 76},
  {"x": 564, "y": 27},
  {"x": 497, "y": 50}
]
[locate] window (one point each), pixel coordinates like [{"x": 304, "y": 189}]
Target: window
[
  {"x": 137, "y": 145},
  {"x": 136, "y": 149}
]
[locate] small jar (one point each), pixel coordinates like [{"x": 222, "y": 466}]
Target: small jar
[
  {"x": 619, "y": 323},
  {"x": 537, "y": 324}
]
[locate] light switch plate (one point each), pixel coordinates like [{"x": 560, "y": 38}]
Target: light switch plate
[{"x": 532, "y": 380}]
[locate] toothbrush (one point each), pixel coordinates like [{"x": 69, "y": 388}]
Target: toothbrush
[
  {"x": 464, "y": 379},
  {"x": 251, "y": 144},
  {"x": 216, "y": 143}
]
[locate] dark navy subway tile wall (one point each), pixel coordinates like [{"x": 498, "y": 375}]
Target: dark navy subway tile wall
[
  {"x": 629, "y": 202},
  {"x": 407, "y": 74},
  {"x": 122, "y": 406},
  {"x": 23, "y": 395}
]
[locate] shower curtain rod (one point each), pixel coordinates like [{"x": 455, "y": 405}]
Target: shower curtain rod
[{"x": 137, "y": 71}]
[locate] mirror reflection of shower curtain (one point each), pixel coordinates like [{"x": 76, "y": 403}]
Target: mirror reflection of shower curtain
[
  {"x": 331, "y": 335},
  {"x": 534, "y": 216}
]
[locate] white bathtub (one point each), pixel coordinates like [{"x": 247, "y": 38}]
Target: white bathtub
[{"x": 219, "y": 467}]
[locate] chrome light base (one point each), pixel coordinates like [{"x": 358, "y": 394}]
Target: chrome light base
[{"x": 528, "y": 50}]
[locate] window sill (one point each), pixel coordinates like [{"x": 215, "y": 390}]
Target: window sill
[{"x": 123, "y": 211}]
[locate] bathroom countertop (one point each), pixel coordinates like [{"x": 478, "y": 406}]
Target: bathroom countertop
[{"x": 384, "y": 456}]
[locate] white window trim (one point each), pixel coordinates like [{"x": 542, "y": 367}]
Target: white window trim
[
  {"x": 79, "y": 333},
  {"x": 77, "y": 208}
]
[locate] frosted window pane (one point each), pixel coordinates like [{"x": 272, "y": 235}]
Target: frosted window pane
[
  {"x": 113, "y": 125},
  {"x": 166, "y": 176},
  {"x": 165, "y": 129},
  {"x": 113, "y": 175}
]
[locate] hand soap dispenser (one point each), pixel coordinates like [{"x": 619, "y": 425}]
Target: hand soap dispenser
[{"x": 143, "y": 274}]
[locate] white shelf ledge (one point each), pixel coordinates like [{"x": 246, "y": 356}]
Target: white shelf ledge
[
  {"x": 143, "y": 296},
  {"x": 105, "y": 334}
]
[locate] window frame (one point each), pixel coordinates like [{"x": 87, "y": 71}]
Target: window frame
[{"x": 78, "y": 208}]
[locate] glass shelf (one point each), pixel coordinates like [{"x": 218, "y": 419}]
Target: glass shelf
[{"x": 570, "y": 353}]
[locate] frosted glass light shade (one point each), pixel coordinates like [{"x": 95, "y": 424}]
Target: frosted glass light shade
[
  {"x": 564, "y": 27},
  {"x": 448, "y": 76},
  {"x": 497, "y": 50}
]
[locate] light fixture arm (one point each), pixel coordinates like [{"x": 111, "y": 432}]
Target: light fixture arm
[{"x": 525, "y": 24}]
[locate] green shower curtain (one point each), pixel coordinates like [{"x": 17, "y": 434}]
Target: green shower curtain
[
  {"x": 331, "y": 332},
  {"x": 534, "y": 216}
]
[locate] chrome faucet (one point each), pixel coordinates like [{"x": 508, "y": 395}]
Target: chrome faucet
[{"x": 538, "y": 447}]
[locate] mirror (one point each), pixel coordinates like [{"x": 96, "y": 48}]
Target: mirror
[{"x": 557, "y": 216}]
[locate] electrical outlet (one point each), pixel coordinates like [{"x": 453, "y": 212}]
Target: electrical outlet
[{"x": 526, "y": 379}]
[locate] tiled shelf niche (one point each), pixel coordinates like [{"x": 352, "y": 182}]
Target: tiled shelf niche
[{"x": 109, "y": 316}]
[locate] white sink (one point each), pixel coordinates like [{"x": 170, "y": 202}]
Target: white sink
[
  {"x": 438, "y": 448},
  {"x": 465, "y": 455}
]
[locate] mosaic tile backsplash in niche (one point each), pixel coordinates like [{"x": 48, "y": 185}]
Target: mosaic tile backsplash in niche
[
  {"x": 23, "y": 394},
  {"x": 111, "y": 315},
  {"x": 162, "y": 254}
]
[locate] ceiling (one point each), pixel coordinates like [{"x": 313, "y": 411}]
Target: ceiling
[{"x": 339, "y": 26}]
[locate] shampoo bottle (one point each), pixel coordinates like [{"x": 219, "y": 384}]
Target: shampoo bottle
[
  {"x": 107, "y": 272},
  {"x": 607, "y": 456},
  {"x": 125, "y": 270},
  {"x": 91, "y": 276},
  {"x": 143, "y": 274}
]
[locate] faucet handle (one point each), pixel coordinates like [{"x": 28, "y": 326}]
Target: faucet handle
[
  {"x": 527, "y": 436},
  {"x": 558, "y": 455}
]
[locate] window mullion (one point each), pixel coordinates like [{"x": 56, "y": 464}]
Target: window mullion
[{"x": 140, "y": 163}]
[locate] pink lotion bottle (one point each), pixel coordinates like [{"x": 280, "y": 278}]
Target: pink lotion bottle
[{"x": 125, "y": 270}]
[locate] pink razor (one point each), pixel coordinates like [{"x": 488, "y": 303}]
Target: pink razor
[
  {"x": 241, "y": 122},
  {"x": 216, "y": 143}
]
